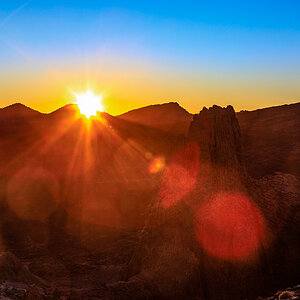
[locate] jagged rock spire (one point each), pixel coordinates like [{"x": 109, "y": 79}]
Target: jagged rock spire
[{"x": 217, "y": 132}]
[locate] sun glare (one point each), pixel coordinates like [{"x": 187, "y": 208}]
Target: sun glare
[{"x": 89, "y": 103}]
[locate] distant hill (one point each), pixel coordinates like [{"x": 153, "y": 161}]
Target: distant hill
[
  {"x": 168, "y": 116},
  {"x": 271, "y": 139},
  {"x": 64, "y": 111},
  {"x": 16, "y": 111}
]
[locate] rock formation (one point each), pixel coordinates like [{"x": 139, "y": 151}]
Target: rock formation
[
  {"x": 217, "y": 132},
  {"x": 213, "y": 231},
  {"x": 292, "y": 293},
  {"x": 16, "y": 281}
]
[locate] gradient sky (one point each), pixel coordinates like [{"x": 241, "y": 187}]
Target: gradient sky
[{"x": 136, "y": 53}]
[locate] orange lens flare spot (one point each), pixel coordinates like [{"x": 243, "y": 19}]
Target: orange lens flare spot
[
  {"x": 156, "y": 164},
  {"x": 230, "y": 227}
]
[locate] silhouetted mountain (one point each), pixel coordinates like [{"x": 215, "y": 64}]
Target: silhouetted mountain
[
  {"x": 17, "y": 112},
  {"x": 168, "y": 116},
  {"x": 66, "y": 111},
  {"x": 270, "y": 139},
  {"x": 292, "y": 293}
]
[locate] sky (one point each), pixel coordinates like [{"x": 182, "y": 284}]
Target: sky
[{"x": 137, "y": 53}]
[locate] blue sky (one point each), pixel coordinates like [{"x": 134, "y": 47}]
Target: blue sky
[{"x": 251, "y": 45}]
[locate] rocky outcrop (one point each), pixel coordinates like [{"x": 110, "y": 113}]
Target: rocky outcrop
[
  {"x": 169, "y": 255},
  {"x": 12, "y": 269},
  {"x": 217, "y": 132},
  {"x": 16, "y": 281},
  {"x": 287, "y": 294},
  {"x": 214, "y": 232}
]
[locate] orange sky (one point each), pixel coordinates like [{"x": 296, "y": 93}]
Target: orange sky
[
  {"x": 138, "y": 53},
  {"x": 125, "y": 87}
]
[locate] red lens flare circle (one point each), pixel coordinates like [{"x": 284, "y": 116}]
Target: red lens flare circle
[{"x": 230, "y": 226}]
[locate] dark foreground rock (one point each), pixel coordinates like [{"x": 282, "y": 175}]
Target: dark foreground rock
[{"x": 288, "y": 294}]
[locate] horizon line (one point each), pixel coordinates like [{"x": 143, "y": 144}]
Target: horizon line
[{"x": 156, "y": 104}]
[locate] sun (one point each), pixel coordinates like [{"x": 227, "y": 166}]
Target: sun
[{"x": 89, "y": 103}]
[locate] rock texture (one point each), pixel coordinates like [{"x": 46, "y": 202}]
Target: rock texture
[
  {"x": 12, "y": 269},
  {"x": 292, "y": 293},
  {"x": 17, "y": 282}
]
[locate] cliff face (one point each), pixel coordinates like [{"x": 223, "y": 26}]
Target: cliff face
[{"x": 215, "y": 133}]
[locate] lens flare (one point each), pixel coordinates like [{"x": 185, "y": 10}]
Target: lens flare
[
  {"x": 156, "y": 164},
  {"x": 230, "y": 227},
  {"x": 89, "y": 103},
  {"x": 179, "y": 176},
  {"x": 32, "y": 193}
]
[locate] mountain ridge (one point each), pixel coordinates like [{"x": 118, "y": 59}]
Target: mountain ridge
[
  {"x": 158, "y": 115},
  {"x": 18, "y": 110},
  {"x": 175, "y": 104}
]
